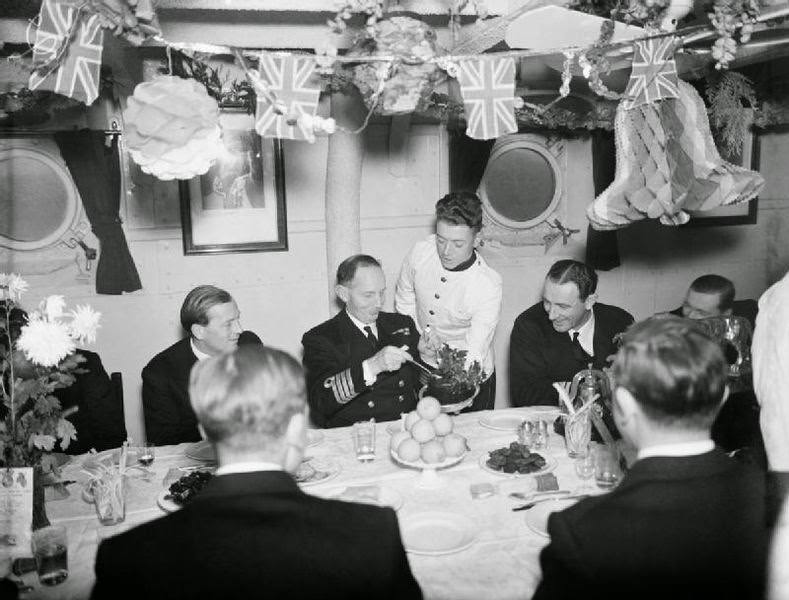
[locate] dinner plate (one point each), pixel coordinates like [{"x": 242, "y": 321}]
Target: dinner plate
[
  {"x": 550, "y": 465},
  {"x": 537, "y": 517},
  {"x": 317, "y": 470},
  {"x": 165, "y": 503},
  {"x": 503, "y": 422},
  {"x": 355, "y": 493},
  {"x": 437, "y": 533},
  {"x": 202, "y": 451}
]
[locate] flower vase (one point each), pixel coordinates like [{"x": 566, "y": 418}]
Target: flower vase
[{"x": 40, "y": 518}]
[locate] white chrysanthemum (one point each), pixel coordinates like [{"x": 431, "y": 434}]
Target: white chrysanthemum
[
  {"x": 43, "y": 441},
  {"x": 16, "y": 286},
  {"x": 84, "y": 323},
  {"x": 45, "y": 343},
  {"x": 52, "y": 307}
]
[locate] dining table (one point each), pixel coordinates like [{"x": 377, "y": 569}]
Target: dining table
[{"x": 493, "y": 554}]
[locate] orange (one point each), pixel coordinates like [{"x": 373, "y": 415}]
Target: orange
[
  {"x": 409, "y": 450},
  {"x": 455, "y": 444},
  {"x": 433, "y": 452},
  {"x": 428, "y": 408},
  {"x": 423, "y": 431},
  {"x": 443, "y": 424}
]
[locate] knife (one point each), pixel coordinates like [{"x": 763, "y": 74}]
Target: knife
[{"x": 534, "y": 502}]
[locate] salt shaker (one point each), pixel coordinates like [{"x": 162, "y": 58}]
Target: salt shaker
[{"x": 540, "y": 435}]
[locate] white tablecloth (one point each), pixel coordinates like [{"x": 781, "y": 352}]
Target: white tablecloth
[{"x": 501, "y": 564}]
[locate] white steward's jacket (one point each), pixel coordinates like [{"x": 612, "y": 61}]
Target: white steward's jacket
[{"x": 461, "y": 307}]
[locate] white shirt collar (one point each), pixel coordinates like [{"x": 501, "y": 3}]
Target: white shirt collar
[
  {"x": 248, "y": 467},
  {"x": 197, "y": 353},
  {"x": 679, "y": 449},
  {"x": 361, "y": 325},
  {"x": 585, "y": 334}
]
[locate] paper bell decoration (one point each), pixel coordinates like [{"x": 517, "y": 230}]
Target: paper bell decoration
[
  {"x": 77, "y": 73},
  {"x": 667, "y": 164},
  {"x": 410, "y": 83},
  {"x": 172, "y": 128}
]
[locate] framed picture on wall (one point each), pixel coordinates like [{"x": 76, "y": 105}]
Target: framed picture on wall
[
  {"x": 239, "y": 204},
  {"x": 744, "y": 213}
]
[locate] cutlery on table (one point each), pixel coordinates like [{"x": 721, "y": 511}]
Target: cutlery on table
[
  {"x": 532, "y": 495},
  {"x": 536, "y": 501}
]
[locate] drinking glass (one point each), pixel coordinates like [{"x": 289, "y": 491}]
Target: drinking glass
[
  {"x": 584, "y": 468},
  {"x": 607, "y": 471},
  {"x": 109, "y": 498},
  {"x": 50, "y": 549},
  {"x": 146, "y": 454},
  {"x": 577, "y": 434},
  {"x": 364, "y": 440}
]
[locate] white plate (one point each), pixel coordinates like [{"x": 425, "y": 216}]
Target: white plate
[
  {"x": 550, "y": 465},
  {"x": 503, "y": 422},
  {"x": 325, "y": 470},
  {"x": 537, "y": 517},
  {"x": 386, "y": 496},
  {"x": 166, "y": 504},
  {"x": 436, "y": 533},
  {"x": 542, "y": 412},
  {"x": 420, "y": 464},
  {"x": 314, "y": 437},
  {"x": 202, "y": 451}
]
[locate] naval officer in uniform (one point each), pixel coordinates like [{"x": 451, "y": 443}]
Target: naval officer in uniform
[{"x": 357, "y": 361}]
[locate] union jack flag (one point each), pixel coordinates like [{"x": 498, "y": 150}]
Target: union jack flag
[
  {"x": 296, "y": 86},
  {"x": 654, "y": 75},
  {"x": 488, "y": 89},
  {"x": 77, "y": 75}
]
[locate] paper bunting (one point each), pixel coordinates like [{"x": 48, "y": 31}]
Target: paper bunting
[
  {"x": 654, "y": 75},
  {"x": 488, "y": 89},
  {"x": 296, "y": 86},
  {"x": 667, "y": 164},
  {"x": 76, "y": 73}
]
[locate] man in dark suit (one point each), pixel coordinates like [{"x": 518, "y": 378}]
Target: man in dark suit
[
  {"x": 356, "y": 362},
  {"x": 554, "y": 339},
  {"x": 713, "y": 296},
  {"x": 251, "y": 532},
  {"x": 211, "y": 319},
  {"x": 687, "y": 521},
  {"x": 98, "y": 408}
]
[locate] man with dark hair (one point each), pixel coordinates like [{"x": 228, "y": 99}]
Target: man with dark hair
[
  {"x": 356, "y": 362},
  {"x": 554, "y": 339},
  {"x": 251, "y": 532},
  {"x": 687, "y": 521},
  {"x": 211, "y": 320},
  {"x": 708, "y": 296},
  {"x": 451, "y": 292}
]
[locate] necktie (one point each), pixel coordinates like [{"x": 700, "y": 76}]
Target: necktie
[
  {"x": 578, "y": 351},
  {"x": 368, "y": 331}
]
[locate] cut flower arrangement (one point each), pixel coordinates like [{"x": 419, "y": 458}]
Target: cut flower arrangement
[
  {"x": 37, "y": 356},
  {"x": 455, "y": 378}
]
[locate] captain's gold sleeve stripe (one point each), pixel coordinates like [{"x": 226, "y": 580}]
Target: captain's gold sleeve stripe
[{"x": 342, "y": 386}]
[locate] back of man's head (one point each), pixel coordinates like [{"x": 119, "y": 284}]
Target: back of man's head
[
  {"x": 676, "y": 373},
  {"x": 245, "y": 399},
  {"x": 197, "y": 303},
  {"x": 573, "y": 271},
  {"x": 715, "y": 285}
]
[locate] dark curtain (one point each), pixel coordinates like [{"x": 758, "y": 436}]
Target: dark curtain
[
  {"x": 602, "y": 252},
  {"x": 95, "y": 168}
]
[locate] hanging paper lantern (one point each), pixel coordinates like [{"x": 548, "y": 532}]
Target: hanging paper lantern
[
  {"x": 172, "y": 128},
  {"x": 411, "y": 42},
  {"x": 667, "y": 164}
]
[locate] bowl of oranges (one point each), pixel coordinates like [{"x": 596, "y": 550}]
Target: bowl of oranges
[{"x": 426, "y": 440}]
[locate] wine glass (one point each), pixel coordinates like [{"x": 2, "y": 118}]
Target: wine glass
[
  {"x": 584, "y": 468},
  {"x": 146, "y": 454}
]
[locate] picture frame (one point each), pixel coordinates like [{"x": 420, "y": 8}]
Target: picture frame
[
  {"x": 744, "y": 213},
  {"x": 239, "y": 204}
]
